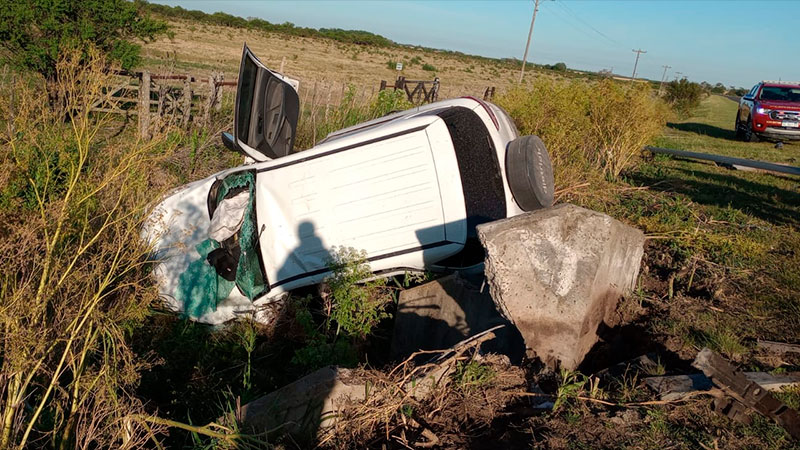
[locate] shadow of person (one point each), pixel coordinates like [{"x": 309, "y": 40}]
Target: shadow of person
[
  {"x": 297, "y": 408},
  {"x": 308, "y": 257}
]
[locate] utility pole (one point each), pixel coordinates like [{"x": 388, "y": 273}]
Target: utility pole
[
  {"x": 528, "y": 44},
  {"x": 663, "y": 77},
  {"x": 678, "y": 75},
  {"x": 638, "y": 52}
]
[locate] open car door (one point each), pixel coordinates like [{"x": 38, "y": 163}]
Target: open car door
[{"x": 266, "y": 111}]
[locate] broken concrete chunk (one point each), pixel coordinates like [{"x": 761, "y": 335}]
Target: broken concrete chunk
[
  {"x": 558, "y": 273},
  {"x": 678, "y": 386},
  {"x": 311, "y": 405},
  {"x": 442, "y": 313}
]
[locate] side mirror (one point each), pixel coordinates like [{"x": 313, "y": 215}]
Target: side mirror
[
  {"x": 747, "y": 98},
  {"x": 229, "y": 143}
]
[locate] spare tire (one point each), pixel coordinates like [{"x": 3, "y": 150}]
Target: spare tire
[{"x": 530, "y": 173}]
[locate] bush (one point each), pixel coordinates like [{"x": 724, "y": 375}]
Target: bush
[
  {"x": 586, "y": 126},
  {"x": 353, "y": 305},
  {"x": 559, "y": 67},
  {"x": 356, "y": 305},
  {"x": 684, "y": 95},
  {"x": 428, "y": 67},
  {"x": 73, "y": 270}
]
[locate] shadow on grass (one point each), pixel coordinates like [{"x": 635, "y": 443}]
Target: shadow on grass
[
  {"x": 704, "y": 129},
  {"x": 767, "y": 202}
]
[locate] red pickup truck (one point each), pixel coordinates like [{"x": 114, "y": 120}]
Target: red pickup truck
[{"x": 771, "y": 110}]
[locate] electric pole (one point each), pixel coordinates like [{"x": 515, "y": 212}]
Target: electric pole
[
  {"x": 663, "y": 77},
  {"x": 638, "y": 52},
  {"x": 528, "y": 44}
]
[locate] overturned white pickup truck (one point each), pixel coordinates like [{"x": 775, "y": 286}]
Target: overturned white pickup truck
[{"x": 408, "y": 189}]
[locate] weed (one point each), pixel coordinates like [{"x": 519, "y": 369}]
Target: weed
[
  {"x": 571, "y": 386},
  {"x": 356, "y": 305},
  {"x": 472, "y": 374},
  {"x": 627, "y": 387},
  {"x": 586, "y": 126},
  {"x": 247, "y": 334},
  {"x": 74, "y": 272}
]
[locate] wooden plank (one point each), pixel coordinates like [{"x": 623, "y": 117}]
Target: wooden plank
[
  {"x": 778, "y": 347},
  {"x": 115, "y": 111},
  {"x": 676, "y": 387},
  {"x": 750, "y": 394},
  {"x": 144, "y": 106}
]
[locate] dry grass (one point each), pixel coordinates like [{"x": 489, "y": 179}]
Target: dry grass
[
  {"x": 326, "y": 64},
  {"x": 432, "y": 405},
  {"x": 73, "y": 271},
  {"x": 587, "y": 126}
]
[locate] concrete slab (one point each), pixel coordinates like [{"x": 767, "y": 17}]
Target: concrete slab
[
  {"x": 442, "y": 313},
  {"x": 559, "y": 273}
]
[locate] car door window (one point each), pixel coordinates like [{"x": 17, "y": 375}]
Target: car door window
[{"x": 266, "y": 111}]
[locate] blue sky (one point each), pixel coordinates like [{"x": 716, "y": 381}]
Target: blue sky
[{"x": 715, "y": 41}]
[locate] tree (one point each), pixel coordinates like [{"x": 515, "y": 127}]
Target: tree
[{"x": 33, "y": 33}]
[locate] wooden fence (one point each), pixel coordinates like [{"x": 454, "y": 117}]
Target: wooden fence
[
  {"x": 417, "y": 91},
  {"x": 161, "y": 100}
]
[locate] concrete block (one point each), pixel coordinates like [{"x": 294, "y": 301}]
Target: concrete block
[
  {"x": 559, "y": 273},
  {"x": 305, "y": 406},
  {"x": 439, "y": 314}
]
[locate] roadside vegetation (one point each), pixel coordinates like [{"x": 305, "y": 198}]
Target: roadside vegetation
[{"x": 89, "y": 358}]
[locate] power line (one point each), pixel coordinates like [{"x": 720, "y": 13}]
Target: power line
[
  {"x": 567, "y": 20},
  {"x": 638, "y": 52},
  {"x": 578, "y": 17}
]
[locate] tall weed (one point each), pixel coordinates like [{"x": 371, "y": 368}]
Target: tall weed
[
  {"x": 590, "y": 129},
  {"x": 317, "y": 121},
  {"x": 73, "y": 271}
]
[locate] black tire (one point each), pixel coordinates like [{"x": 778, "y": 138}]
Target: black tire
[
  {"x": 749, "y": 134},
  {"x": 530, "y": 173},
  {"x": 738, "y": 130}
]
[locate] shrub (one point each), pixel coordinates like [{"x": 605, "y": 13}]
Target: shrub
[
  {"x": 33, "y": 33},
  {"x": 428, "y": 67},
  {"x": 352, "y": 306},
  {"x": 356, "y": 305},
  {"x": 73, "y": 270},
  {"x": 586, "y": 126},
  {"x": 684, "y": 95}
]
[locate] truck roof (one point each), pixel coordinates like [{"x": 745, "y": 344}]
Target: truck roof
[{"x": 781, "y": 83}]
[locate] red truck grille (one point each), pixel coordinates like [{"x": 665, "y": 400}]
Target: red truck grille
[{"x": 785, "y": 115}]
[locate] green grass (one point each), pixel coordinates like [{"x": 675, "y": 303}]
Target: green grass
[
  {"x": 710, "y": 129},
  {"x": 727, "y": 239}
]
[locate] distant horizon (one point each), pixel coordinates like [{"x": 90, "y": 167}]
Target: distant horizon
[{"x": 585, "y": 35}]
